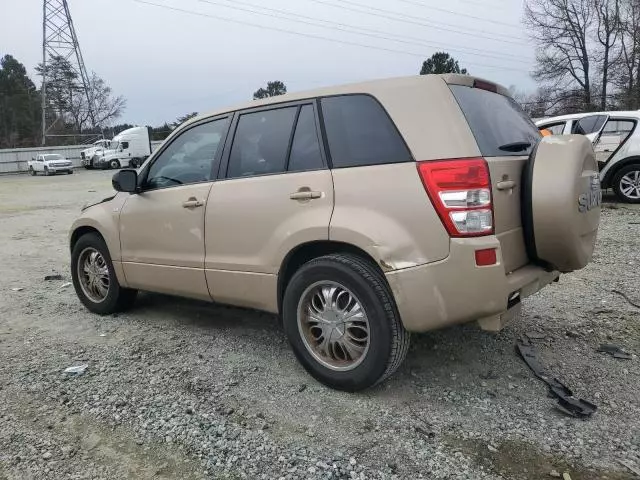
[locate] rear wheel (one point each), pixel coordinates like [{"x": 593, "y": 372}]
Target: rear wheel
[
  {"x": 342, "y": 322},
  {"x": 626, "y": 184},
  {"x": 94, "y": 278},
  {"x": 134, "y": 163}
]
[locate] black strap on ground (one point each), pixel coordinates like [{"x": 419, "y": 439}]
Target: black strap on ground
[{"x": 567, "y": 403}]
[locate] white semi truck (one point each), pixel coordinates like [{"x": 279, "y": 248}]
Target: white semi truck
[
  {"x": 130, "y": 148},
  {"x": 87, "y": 154}
]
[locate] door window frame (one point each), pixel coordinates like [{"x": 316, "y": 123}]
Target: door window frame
[
  {"x": 142, "y": 178},
  {"x": 223, "y": 170}
]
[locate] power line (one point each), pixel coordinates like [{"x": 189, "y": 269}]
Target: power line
[
  {"x": 408, "y": 19},
  {"x": 444, "y": 10},
  {"x": 368, "y": 10},
  {"x": 309, "y": 35},
  {"x": 349, "y": 29}
]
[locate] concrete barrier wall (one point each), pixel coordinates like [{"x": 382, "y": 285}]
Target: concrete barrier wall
[{"x": 14, "y": 160}]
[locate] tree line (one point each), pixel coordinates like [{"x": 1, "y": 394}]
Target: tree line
[{"x": 587, "y": 55}]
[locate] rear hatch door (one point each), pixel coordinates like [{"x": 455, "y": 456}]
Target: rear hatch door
[{"x": 505, "y": 136}]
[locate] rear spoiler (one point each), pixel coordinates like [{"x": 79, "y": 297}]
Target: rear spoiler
[{"x": 475, "y": 82}]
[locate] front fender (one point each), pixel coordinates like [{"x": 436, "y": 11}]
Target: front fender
[{"x": 104, "y": 218}]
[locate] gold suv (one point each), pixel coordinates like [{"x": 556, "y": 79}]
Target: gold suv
[{"x": 358, "y": 213}]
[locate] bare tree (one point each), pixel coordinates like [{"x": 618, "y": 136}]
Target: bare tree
[
  {"x": 106, "y": 107},
  {"x": 626, "y": 74},
  {"x": 564, "y": 53},
  {"x": 607, "y": 13}
]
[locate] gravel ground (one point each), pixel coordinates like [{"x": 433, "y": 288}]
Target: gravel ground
[{"x": 182, "y": 389}]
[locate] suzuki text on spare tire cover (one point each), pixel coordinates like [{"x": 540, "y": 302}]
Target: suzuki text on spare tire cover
[{"x": 358, "y": 214}]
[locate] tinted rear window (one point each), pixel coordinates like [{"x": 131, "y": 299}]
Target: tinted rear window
[
  {"x": 495, "y": 121},
  {"x": 360, "y": 132}
]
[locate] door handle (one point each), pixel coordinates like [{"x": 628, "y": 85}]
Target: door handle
[
  {"x": 193, "y": 202},
  {"x": 506, "y": 185},
  {"x": 305, "y": 195}
]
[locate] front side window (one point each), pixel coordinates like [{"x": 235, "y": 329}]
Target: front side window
[
  {"x": 124, "y": 145},
  {"x": 305, "y": 149},
  {"x": 360, "y": 132},
  {"x": 587, "y": 125},
  {"x": 261, "y": 143},
  {"x": 190, "y": 157}
]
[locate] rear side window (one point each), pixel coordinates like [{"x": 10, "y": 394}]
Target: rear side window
[
  {"x": 360, "y": 132},
  {"x": 261, "y": 142},
  {"x": 499, "y": 125},
  {"x": 555, "y": 128}
]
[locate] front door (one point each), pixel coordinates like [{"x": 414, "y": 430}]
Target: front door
[
  {"x": 162, "y": 227},
  {"x": 277, "y": 193}
]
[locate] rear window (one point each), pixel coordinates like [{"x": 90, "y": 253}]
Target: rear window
[
  {"x": 360, "y": 132},
  {"x": 497, "y": 122}
]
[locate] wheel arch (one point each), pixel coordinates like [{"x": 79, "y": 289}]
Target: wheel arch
[
  {"x": 79, "y": 232},
  {"x": 305, "y": 252},
  {"x": 615, "y": 168}
]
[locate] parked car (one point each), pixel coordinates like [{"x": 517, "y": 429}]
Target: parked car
[
  {"x": 616, "y": 141},
  {"x": 130, "y": 148},
  {"x": 97, "y": 148},
  {"x": 50, "y": 164},
  {"x": 358, "y": 213}
]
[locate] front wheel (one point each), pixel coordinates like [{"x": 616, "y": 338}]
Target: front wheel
[
  {"x": 32, "y": 171},
  {"x": 626, "y": 184},
  {"x": 46, "y": 171},
  {"x": 114, "y": 164},
  {"x": 341, "y": 320},
  {"x": 69, "y": 172},
  {"x": 94, "y": 278}
]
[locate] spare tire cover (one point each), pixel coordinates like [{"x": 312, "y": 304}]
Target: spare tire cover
[{"x": 561, "y": 202}]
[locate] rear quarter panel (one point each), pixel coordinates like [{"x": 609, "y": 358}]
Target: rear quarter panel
[{"x": 385, "y": 211}]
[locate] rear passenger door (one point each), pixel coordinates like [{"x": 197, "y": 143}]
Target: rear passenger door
[{"x": 274, "y": 192}]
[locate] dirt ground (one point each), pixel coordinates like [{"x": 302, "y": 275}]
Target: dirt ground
[{"x": 183, "y": 389}]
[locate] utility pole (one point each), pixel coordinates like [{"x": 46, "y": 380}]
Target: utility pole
[{"x": 59, "y": 39}]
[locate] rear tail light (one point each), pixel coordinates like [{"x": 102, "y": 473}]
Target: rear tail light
[{"x": 460, "y": 191}]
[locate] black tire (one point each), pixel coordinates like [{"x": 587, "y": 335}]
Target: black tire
[
  {"x": 32, "y": 171},
  {"x": 114, "y": 164},
  {"x": 134, "y": 163},
  {"x": 634, "y": 169},
  {"x": 118, "y": 299},
  {"x": 389, "y": 341},
  {"x": 69, "y": 172},
  {"x": 46, "y": 171}
]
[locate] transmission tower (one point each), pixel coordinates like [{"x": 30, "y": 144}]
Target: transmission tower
[{"x": 59, "y": 39}]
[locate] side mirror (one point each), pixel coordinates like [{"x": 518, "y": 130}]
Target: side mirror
[{"x": 125, "y": 181}]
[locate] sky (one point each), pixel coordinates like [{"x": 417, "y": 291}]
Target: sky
[{"x": 171, "y": 57}]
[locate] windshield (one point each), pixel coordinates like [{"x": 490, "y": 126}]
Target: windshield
[
  {"x": 113, "y": 145},
  {"x": 497, "y": 122},
  {"x": 53, "y": 156}
]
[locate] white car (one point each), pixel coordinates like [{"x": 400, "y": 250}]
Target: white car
[
  {"x": 616, "y": 142},
  {"x": 50, "y": 164}
]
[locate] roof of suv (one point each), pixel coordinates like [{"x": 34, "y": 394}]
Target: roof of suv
[{"x": 372, "y": 87}]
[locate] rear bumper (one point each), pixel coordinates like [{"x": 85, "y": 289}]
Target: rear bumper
[{"x": 455, "y": 290}]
